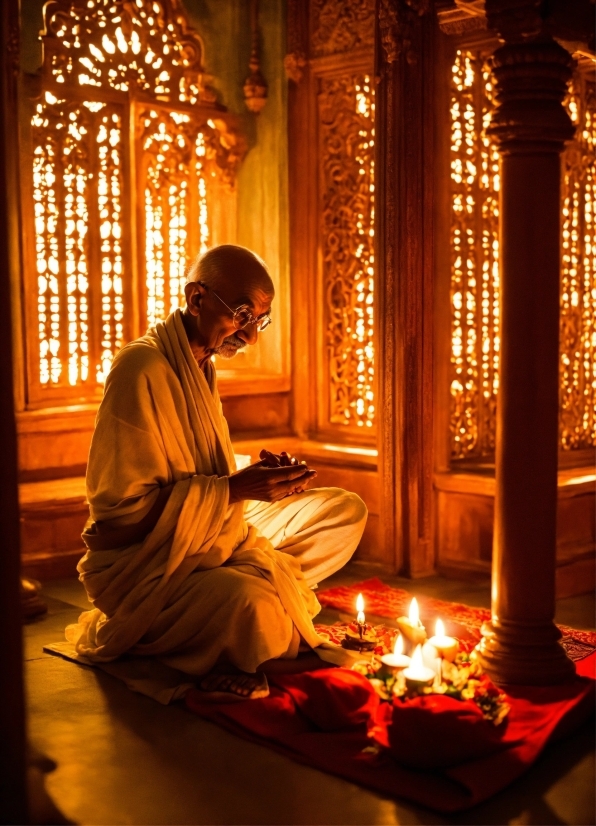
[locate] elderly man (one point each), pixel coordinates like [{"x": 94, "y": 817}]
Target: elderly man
[{"x": 207, "y": 568}]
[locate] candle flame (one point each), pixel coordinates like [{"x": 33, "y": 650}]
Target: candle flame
[
  {"x": 439, "y": 629},
  {"x": 360, "y": 603},
  {"x": 414, "y": 615},
  {"x": 398, "y": 648}
]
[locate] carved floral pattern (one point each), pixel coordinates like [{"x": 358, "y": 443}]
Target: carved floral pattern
[
  {"x": 342, "y": 25},
  {"x": 474, "y": 260},
  {"x": 174, "y": 158},
  {"x": 77, "y": 183},
  {"x": 396, "y": 22},
  {"x": 145, "y": 45},
  {"x": 578, "y": 273},
  {"x": 82, "y": 176},
  {"x": 475, "y": 333},
  {"x": 346, "y": 117}
]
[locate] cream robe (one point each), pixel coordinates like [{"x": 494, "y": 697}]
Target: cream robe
[{"x": 204, "y": 586}]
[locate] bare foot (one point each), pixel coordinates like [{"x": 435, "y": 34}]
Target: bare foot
[{"x": 224, "y": 688}]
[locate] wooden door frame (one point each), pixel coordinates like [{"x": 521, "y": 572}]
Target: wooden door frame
[
  {"x": 406, "y": 34},
  {"x": 13, "y": 790}
]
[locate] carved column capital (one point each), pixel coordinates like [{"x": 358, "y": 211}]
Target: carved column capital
[
  {"x": 515, "y": 20},
  {"x": 530, "y": 85},
  {"x": 396, "y": 20}
]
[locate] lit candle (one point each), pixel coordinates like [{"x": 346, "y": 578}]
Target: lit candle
[
  {"x": 360, "y": 640},
  {"x": 411, "y": 627},
  {"x": 417, "y": 674},
  {"x": 446, "y": 646},
  {"x": 398, "y": 659},
  {"x": 360, "y": 618}
]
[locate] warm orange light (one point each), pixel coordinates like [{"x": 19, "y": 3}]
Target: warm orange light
[
  {"x": 417, "y": 666},
  {"x": 439, "y": 629},
  {"x": 414, "y": 614},
  {"x": 398, "y": 648},
  {"x": 360, "y": 608}
]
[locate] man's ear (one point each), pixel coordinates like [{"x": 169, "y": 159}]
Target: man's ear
[{"x": 194, "y": 292}]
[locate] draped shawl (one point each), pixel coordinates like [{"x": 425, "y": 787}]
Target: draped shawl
[{"x": 160, "y": 425}]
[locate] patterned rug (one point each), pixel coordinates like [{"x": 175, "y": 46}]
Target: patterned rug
[{"x": 384, "y": 601}]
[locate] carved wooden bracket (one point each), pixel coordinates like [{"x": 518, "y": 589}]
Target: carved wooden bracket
[
  {"x": 396, "y": 20},
  {"x": 294, "y": 64},
  {"x": 462, "y": 17}
]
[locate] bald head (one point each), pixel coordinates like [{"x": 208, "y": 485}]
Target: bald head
[
  {"x": 221, "y": 282},
  {"x": 232, "y": 268}
]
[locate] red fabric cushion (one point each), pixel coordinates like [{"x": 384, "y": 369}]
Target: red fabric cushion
[
  {"x": 332, "y": 699},
  {"x": 321, "y": 719},
  {"x": 436, "y": 732}
]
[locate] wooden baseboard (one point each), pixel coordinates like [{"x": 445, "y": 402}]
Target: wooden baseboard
[
  {"x": 572, "y": 576},
  {"x": 479, "y": 573},
  {"x": 576, "y": 577},
  {"x": 55, "y": 565}
]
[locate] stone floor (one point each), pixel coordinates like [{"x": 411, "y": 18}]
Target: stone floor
[{"x": 124, "y": 759}]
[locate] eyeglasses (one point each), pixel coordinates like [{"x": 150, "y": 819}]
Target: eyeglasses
[{"x": 242, "y": 316}]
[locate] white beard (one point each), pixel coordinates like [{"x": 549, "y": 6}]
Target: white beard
[{"x": 229, "y": 347}]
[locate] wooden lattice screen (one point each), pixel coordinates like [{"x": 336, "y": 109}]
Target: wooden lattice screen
[
  {"x": 129, "y": 147},
  {"x": 340, "y": 45},
  {"x": 474, "y": 253},
  {"x": 346, "y": 113}
]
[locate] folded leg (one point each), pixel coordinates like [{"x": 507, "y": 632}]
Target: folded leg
[
  {"x": 229, "y": 615},
  {"x": 321, "y": 527}
]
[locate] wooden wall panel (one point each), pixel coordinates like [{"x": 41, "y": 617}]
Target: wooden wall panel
[
  {"x": 327, "y": 49},
  {"x": 267, "y": 414},
  {"x": 465, "y": 514}
]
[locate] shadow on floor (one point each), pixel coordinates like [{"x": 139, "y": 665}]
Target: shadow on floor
[{"x": 123, "y": 758}]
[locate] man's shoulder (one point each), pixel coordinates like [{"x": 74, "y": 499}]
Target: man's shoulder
[{"x": 140, "y": 357}]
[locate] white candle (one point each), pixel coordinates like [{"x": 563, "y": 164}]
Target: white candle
[
  {"x": 417, "y": 674},
  {"x": 398, "y": 659},
  {"x": 411, "y": 627},
  {"x": 431, "y": 657},
  {"x": 446, "y": 646}
]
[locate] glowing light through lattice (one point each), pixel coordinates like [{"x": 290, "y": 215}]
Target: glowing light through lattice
[
  {"x": 109, "y": 201},
  {"x": 474, "y": 261},
  {"x": 175, "y": 195},
  {"x": 578, "y": 274},
  {"x": 475, "y": 334},
  {"x": 70, "y": 142},
  {"x": 348, "y": 235},
  {"x": 47, "y": 254},
  {"x": 144, "y": 58},
  {"x": 143, "y": 45}
]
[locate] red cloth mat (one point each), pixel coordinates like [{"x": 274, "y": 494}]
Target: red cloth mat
[
  {"x": 384, "y": 601},
  {"x": 331, "y": 719}
]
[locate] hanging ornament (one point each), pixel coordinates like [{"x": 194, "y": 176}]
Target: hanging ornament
[{"x": 255, "y": 85}]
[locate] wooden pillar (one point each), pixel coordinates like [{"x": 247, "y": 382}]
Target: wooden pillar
[
  {"x": 520, "y": 644},
  {"x": 404, "y": 255},
  {"x": 13, "y": 798}
]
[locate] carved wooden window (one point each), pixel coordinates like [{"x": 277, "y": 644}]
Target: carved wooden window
[
  {"x": 474, "y": 242},
  {"x": 331, "y": 43},
  {"x": 346, "y": 117},
  {"x": 129, "y": 150}
]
